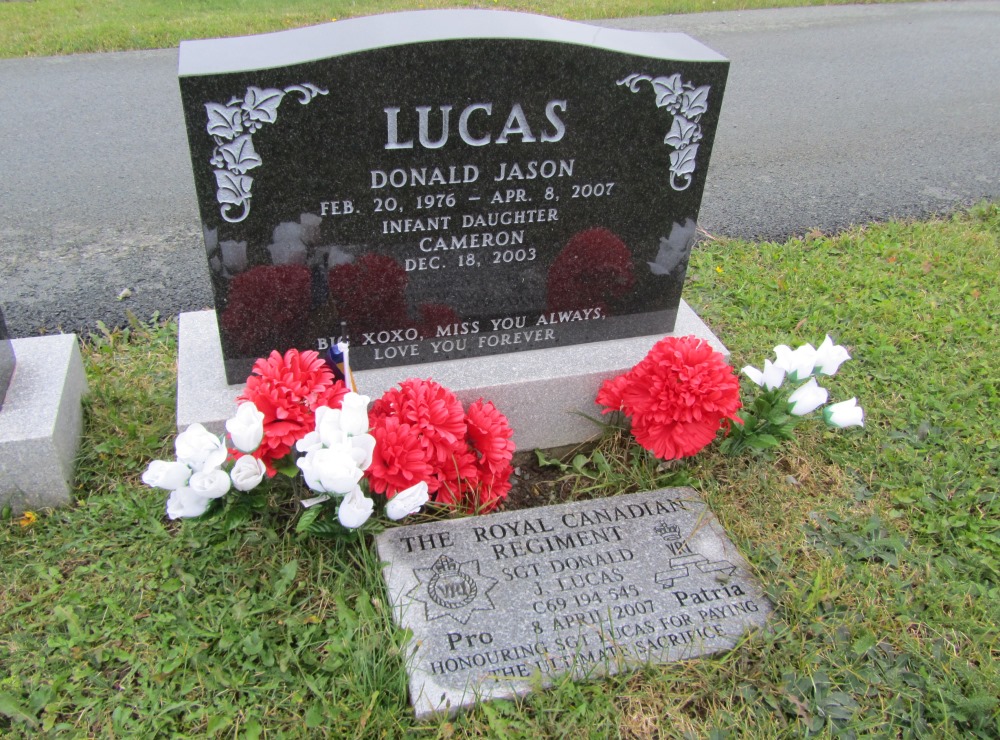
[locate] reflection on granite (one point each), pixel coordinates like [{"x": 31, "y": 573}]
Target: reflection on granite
[{"x": 480, "y": 183}]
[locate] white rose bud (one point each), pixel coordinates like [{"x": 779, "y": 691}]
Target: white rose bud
[
  {"x": 247, "y": 473},
  {"x": 830, "y": 356},
  {"x": 772, "y": 377},
  {"x": 808, "y": 397},
  {"x": 167, "y": 475},
  {"x": 407, "y": 502},
  {"x": 246, "y": 429},
  {"x": 355, "y": 509},
  {"x": 362, "y": 449},
  {"x": 210, "y": 483},
  {"x": 200, "y": 449},
  {"x": 798, "y": 363},
  {"x": 328, "y": 427},
  {"x": 354, "y": 414},
  {"x": 330, "y": 470},
  {"x": 844, "y": 414},
  {"x": 185, "y": 503}
]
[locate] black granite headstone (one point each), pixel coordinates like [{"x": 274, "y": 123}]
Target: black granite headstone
[
  {"x": 447, "y": 184},
  {"x": 6, "y": 360}
]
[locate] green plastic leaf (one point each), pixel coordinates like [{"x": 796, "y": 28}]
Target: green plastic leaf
[
  {"x": 763, "y": 442},
  {"x": 307, "y": 518}
]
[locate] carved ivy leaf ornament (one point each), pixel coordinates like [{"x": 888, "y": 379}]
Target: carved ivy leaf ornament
[
  {"x": 224, "y": 122},
  {"x": 686, "y": 103},
  {"x": 694, "y": 102},
  {"x": 682, "y": 133},
  {"x": 239, "y": 155},
  {"x": 234, "y": 154}
]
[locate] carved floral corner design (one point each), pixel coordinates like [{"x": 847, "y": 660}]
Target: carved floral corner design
[
  {"x": 686, "y": 103},
  {"x": 232, "y": 127}
]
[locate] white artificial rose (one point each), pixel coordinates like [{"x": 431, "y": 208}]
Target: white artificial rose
[
  {"x": 246, "y": 429},
  {"x": 200, "y": 449},
  {"x": 354, "y": 414},
  {"x": 830, "y": 356},
  {"x": 807, "y": 397},
  {"x": 185, "y": 503},
  {"x": 310, "y": 472},
  {"x": 355, "y": 509},
  {"x": 771, "y": 377},
  {"x": 167, "y": 475},
  {"x": 798, "y": 363},
  {"x": 362, "y": 449},
  {"x": 247, "y": 473},
  {"x": 407, "y": 502},
  {"x": 309, "y": 442},
  {"x": 330, "y": 470},
  {"x": 211, "y": 483},
  {"x": 844, "y": 414},
  {"x": 328, "y": 426}
]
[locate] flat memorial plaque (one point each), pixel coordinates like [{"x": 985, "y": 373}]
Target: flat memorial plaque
[
  {"x": 503, "y": 603},
  {"x": 447, "y": 184},
  {"x": 6, "y": 360}
]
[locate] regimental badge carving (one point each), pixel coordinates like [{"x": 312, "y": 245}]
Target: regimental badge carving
[
  {"x": 686, "y": 103},
  {"x": 684, "y": 558},
  {"x": 232, "y": 126},
  {"x": 452, "y": 589}
]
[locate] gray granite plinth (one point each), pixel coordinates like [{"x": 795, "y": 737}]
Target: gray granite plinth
[
  {"x": 502, "y": 604},
  {"x": 543, "y": 392},
  {"x": 41, "y": 422}
]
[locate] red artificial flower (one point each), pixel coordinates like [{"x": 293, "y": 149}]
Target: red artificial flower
[
  {"x": 678, "y": 397},
  {"x": 422, "y": 433},
  {"x": 288, "y": 389},
  {"x": 264, "y": 304},
  {"x": 490, "y": 437},
  {"x": 593, "y": 270},
  {"x": 431, "y": 409},
  {"x": 399, "y": 460},
  {"x": 370, "y": 293},
  {"x": 610, "y": 394}
]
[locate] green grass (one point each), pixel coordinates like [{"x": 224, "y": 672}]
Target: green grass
[
  {"x": 880, "y": 547},
  {"x": 51, "y": 27}
]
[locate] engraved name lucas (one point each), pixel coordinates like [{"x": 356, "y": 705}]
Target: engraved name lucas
[
  {"x": 476, "y": 124},
  {"x": 588, "y": 596}
]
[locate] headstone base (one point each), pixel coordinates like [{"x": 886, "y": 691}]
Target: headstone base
[
  {"x": 41, "y": 422},
  {"x": 544, "y": 393}
]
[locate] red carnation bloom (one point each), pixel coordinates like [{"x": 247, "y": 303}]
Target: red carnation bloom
[
  {"x": 264, "y": 304},
  {"x": 678, "y": 397},
  {"x": 370, "y": 294},
  {"x": 490, "y": 436},
  {"x": 610, "y": 394},
  {"x": 288, "y": 389},
  {"x": 454, "y": 477},
  {"x": 422, "y": 433},
  {"x": 592, "y": 270},
  {"x": 431, "y": 409},
  {"x": 399, "y": 460}
]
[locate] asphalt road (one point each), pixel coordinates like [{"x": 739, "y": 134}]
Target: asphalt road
[{"x": 832, "y": 116}]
